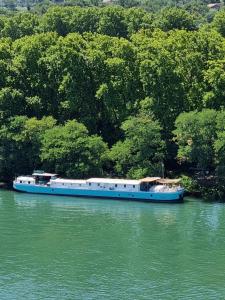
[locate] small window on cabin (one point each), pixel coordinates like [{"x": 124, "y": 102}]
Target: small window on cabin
[
  {"x": 133, "y": 186},
  {"x": 125, "y": 185},
  {"x": 20, "y": 181},
  {"x": 115, "y": 185},
  {"x": 28, "y": 182},
  {"x": 98, "y": 184},
  {"x": 89, "y": 184}
]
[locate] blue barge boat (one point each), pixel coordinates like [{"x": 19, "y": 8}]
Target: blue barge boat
[{"x": 152, "y": 189}]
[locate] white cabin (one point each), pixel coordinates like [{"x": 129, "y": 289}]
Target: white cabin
[
  {"x": 114, "y": 184},
  {"x": 68, "y": 183},
  {"x": 26, "y": 179},
  {"x": 105, "y": 184},
  {"x": 97, "y": 184}
]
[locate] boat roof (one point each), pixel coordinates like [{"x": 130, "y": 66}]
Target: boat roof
[
  {"x": 24, "y": 177},
  {"x": 149, "y": 179},
  {"x": 44, "y": 174},
  {"x": 113, "y": 181},
  {"x": 168, "y": 181},
  {"x": 61, "y": 180}
]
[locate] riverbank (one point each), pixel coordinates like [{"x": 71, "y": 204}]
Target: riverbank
[
  {"x": 5, "y": 185},
  {"x": 210, "y": 188}
]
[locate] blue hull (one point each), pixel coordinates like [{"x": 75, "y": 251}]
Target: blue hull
[{"x": 137, "y": 196}]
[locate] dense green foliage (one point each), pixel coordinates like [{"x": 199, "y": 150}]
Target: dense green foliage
[
  {"x": 142, "y": 150},
  {"x": 70, "y": 150},
  {"x": 88, "y": 91},
  {"x": 201, "y": 137},
  {"x": 20, "y": 144}
]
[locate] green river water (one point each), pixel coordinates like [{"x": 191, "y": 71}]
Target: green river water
[{"x": 74, "y": 248}]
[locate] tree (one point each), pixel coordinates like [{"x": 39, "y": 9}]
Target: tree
[
  {"x": 219, "y": 145},
  {"x": 114, "y": 76},
  {"x": 12, "y": 103},
  {"x": 112, "y": 22},
  {"x": 97, "y": 81},
  {"x": 29, "y": 74},
  {"x": 20, "y": 141},
  {"x": 195, "y": 135},
  {"x": 20, "y": 25},
  {"x": 137, "y": 19},
  {"x": 219, "y": 22},
  {"x": 172, "y": 67},
  {"x": 142, "y": 151},
  {"x": 175, "y": 18},
  {"x": 127, "y": 3},
  {"x": 84, "y": 19},
  {"x": 214, "y": 77},
  {"x": 70, "y": 150},
  {"x": 5, "y": 58},
  {"x": 57, "y": 19}
]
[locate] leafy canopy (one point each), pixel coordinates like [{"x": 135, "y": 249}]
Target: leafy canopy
[
  {"x": 70, "y": 150},
  {"x": 142, "y": 151}
]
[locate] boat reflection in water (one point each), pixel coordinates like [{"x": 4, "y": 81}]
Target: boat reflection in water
[{"x": 119, "y": 210}]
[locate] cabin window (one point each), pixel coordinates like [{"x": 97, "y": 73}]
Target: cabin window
[
  {"x": 28, "y": 182},
  {"x": 20, "y": 181},
  {"x": 115, "y": 185},
  {"x": 134, "y": 186},
  {"x": 89, "y": 184},
  {"x": 125, "y": 185},
  {"x": 98, "y": 184}
]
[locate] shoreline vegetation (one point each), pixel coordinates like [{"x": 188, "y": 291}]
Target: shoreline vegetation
[{"x": 126, "y": 90}]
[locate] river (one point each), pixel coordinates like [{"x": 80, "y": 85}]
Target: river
[{"x": 72, "y": 248}]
